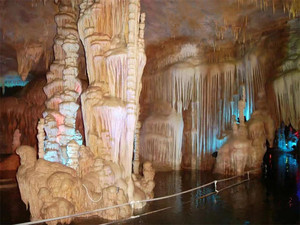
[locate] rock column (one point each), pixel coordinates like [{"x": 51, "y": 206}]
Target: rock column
[
  {"x": 63, "y": 88},
  {"x": 112, "y": 34}
]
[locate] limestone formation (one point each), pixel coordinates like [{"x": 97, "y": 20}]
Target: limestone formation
[
  {"x": 162, "y": 137},
  {"x": 27, "y": 56},
  {"x": 51, "y": 189},
  {"x": 63, "y": 87},
  {"x": 204, "y": 59},
  {"x": 203, "y": 93},
  {"x": 288, "y": 82},
  {"x": 41, "y": 138},
  {"x": 233, "y": 155},
  {"x": 112, "y": 35},
  {"x": 70, "y": 177},
  {"x": 246, "y": 145},
  {"x": 136, "y": 162}
]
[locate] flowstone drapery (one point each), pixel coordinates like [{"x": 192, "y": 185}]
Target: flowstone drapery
[
  {"x": 205, "y": 94},
  {"x": 286, "y": 85},
  {"x": 162, "y": 138},
  {"x": 112, "y": 34},
  {"x": 53, "y": 190}
]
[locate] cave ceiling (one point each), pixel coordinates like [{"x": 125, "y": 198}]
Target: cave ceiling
[{"x": 27, "y": 27}]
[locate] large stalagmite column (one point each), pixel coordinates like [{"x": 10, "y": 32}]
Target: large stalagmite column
[
  {"x": 63, "y": 88},
  {"x": 112, "y": 35}
]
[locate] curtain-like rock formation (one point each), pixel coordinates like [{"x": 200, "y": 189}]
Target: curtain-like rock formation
[
  {"x": 209, "y": 90},
  {"x": 162, "y": 138},
  {"x": 112, "y": 35},
  {"x": 286, "y": 85}
]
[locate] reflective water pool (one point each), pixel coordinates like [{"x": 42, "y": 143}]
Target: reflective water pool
[{"x": 270, "y": 198}]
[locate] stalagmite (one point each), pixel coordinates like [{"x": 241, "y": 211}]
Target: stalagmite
[
  {"x": 136, "y": 162},
  {"x": 246, "y": 145},
  {"x": 41, "y": 138},
  {"x": 233, "y": 155},
  {"x": 70, "y": 177},
  {"x": 63, "y": 88},
  {"x": 73, "y": 155}
]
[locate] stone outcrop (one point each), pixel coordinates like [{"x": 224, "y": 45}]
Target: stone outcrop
[{"x": 51, "y": 189}]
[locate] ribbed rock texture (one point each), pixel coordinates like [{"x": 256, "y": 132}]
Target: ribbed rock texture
[
  {"x": 287, "y": 83},
  {"x": 112, "y": 33},
  {"x": 70, "y": 177},
  {"x": 204, "y": 93}
]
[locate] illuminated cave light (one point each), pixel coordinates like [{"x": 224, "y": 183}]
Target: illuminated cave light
[
  {"x": 287, "y": 144},
  {"x": 287, "y": 164},
  {"x": 12, "y": 80},
  {"x": 51, "y": 156}
]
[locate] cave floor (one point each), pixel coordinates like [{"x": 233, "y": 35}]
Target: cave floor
[{"x": 272, "y": 197}]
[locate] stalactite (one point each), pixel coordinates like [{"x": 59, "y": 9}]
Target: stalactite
[
  {"x": 28, "y": 56},
  {"x": 286, "y": 85},
  {"x": 211, "y": 90}
]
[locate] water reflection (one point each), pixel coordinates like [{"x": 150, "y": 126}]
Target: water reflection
[{"x": 271, "y": 198}]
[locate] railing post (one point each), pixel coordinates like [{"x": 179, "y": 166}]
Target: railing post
[{"x": 216, "y": 186}]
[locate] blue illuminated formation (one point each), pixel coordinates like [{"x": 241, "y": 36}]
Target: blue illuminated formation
[
  {"x": 287, "y": 144},
  {"x": 12, "y": 80}
]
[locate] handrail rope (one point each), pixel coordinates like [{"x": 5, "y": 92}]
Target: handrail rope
[
  {"x": 154, "y": 211},
  {"x": 230, "y": 178},
  {"x": 129, "y": 203},
  {"x": 87, "y": 191},
  {"x": 243, "y": 181},
  {"x": 163, "y": 209}
]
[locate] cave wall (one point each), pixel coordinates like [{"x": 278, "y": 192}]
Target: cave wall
[
  {"x": 205, "y": 87},
  {"x": 22, "y": 111}
]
